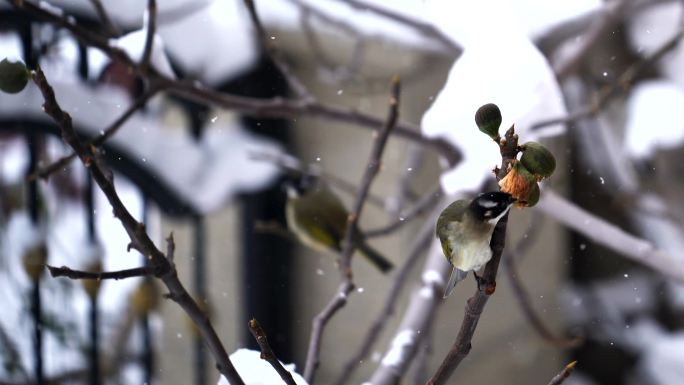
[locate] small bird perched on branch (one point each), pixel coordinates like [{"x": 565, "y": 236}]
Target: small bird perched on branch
[
  {"x": 465, "y": 229},
  {"x": 319, "y": 220}
]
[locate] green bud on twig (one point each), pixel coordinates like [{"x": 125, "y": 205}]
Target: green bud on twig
[
  {"x": 488, "y": 119},
  {"x": 13, "y": 76}
]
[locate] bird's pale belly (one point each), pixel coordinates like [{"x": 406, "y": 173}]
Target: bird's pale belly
[{"x": 471, "y": 255}]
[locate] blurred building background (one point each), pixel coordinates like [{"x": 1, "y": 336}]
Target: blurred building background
[{"x": 188, "y": 169}]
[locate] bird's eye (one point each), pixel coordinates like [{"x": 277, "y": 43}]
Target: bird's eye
[{"x": 488, "y": 213}]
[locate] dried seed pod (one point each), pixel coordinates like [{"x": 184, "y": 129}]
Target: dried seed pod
[
  {"x": 13, "y": 76},
  {"x": 488, "y": 119},
  {"x": 146, "y": 297},
  {"x": 519, "y": 182},
  {"x": 34, "y": 260},
  {"x": 538, "y": 160},
  {"x": 92, "y": 286}
]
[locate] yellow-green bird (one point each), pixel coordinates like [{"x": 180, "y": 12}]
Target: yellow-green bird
[
  {"x": 319, "y": 220},
  {"x": 465, "y": 229}
]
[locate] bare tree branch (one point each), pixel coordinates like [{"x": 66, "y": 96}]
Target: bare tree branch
[
  {"x": 275, "y": 55},
  {"x": 265, "y": 108},
  {"x": 609, "y": 16},
  {"x": 608, "y": 235},
  {"x": 624, "y": 82},
  {"x": 487, "y": 286},
  {"x": 422, "y": 243},
  {"x": 119, "y": 274},
  {"x": 532, "y": 317},
  {"x": 160, "y": 265},
  {"x": 424, "y": 204},
  {"x": 149, "y": 38},
  {"x": 267, "y": 353},
  {"x": 291, "y": 164},
  {"x": 99, "y": 140},
  {"x": 347, "y": 285},
  {"x": 424, "y": 28},
  {"x": 565, "y": 373},
  {"x": 104, "y": 17},
  {"x": 421, "y": 309}
]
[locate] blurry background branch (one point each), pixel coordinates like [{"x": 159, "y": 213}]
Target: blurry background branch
[
  {"x": 623, "y": 84},
  {"x": 511, "y": 256},
  {"x": 609, "y": 235},
  {"x": 164, "y": 268},
  {"x": 347, "y": 284}
]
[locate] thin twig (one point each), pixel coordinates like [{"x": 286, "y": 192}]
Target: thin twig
[
  {"x": 373, "y": 333},
  {"x": 104, "y": 17},
  {"x": 99, "y": 140},
  {"x": 414, "y": 159},
  {"x": 347, "y": 285},
  {"x": 284, "y": 108},
  {"x": 509, "y": 260},
  {"x": 525, "y": 303},
  {"x": 119, "y": 274},
  {"x": 608, "y": 235},
  {"x": 263, "y": 108},
  {"x": 565, "y": 373},
  {"x": 318, "y": 326},
  {"x": 267, "y": 353},
  {"x": 487, "y": 286},
  {"x": 427, "y": 29},
  {"x": 275, "y": 228},
  {"x": 425, "y": 203},
  {"x": 420, "y": 311},
  {"x": 371, "y": 172},
  {"x": 161, "y": 266},
  {"x": 149, "y": 38},
  {"x": 276, "y": 57},
  {"x": 624, "y": 82}
]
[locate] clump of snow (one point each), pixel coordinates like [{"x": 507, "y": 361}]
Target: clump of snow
[
  {"x": 10, "y": 46},
  {"x": 214, "y": 43},
  {"x": 660, "y": 353},
  {"x": 650, "y": 28},
  {"x": 255, "y": 371},
  {"x": 208, "y": 173},
  {"x": 401, "y": 342},
  {"x": 134, "y": 44},
  {"x": 432, "y": 277},
  {"x": 50, "y": 8},
  {"x": 499, "y": 65},
  {"x": 655, "y": 118}
]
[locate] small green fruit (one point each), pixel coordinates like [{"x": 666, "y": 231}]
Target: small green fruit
[
  {"x": 13, "y": 76},
  {"x": 533, "y": 197},
  {"x": 488, "y": 119},
  {"x": 538, "y": 160}
]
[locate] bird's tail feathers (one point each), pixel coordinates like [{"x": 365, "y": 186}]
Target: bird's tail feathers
[
  {"x": 377, "y": 259},
  {"x": 457, "y": 275}
]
